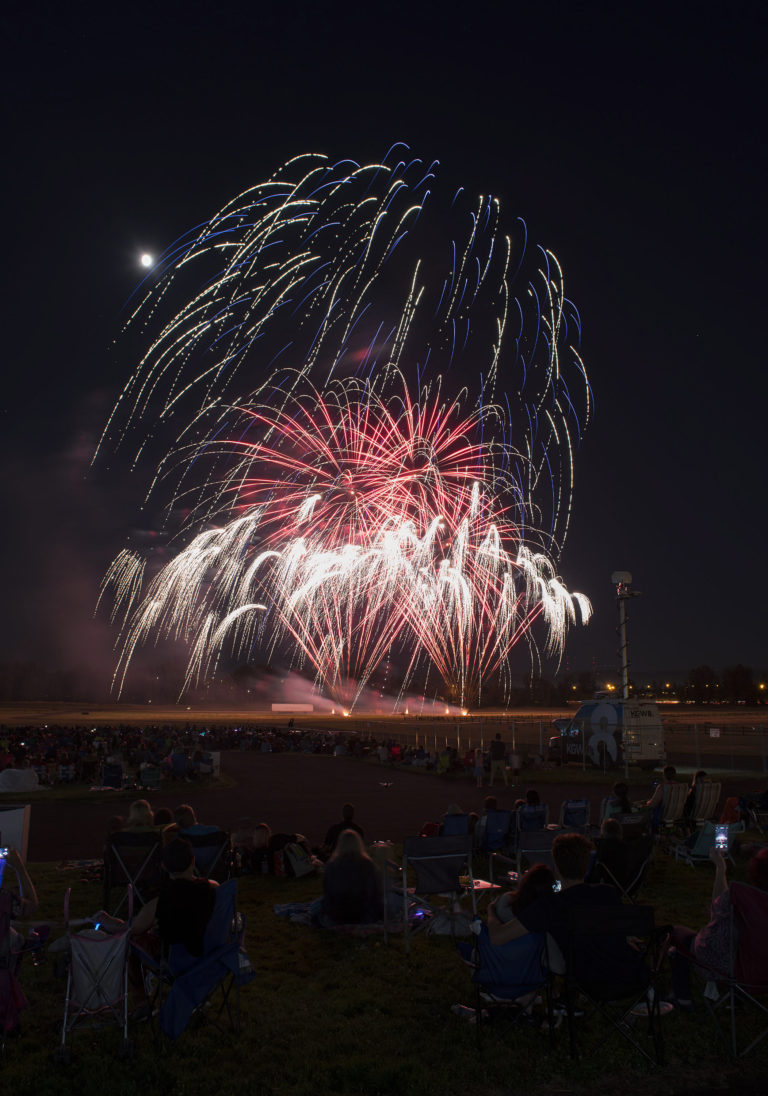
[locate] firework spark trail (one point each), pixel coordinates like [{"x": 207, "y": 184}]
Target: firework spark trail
[
  {"x": 374, "y": 523},
  {"x": 354, "y": 512},
  {"x": 336, "y": 270}
]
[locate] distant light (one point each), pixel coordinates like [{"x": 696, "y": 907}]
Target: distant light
[{"x": 147, "y": 260}]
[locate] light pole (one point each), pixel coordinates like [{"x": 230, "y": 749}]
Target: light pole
[{"x": 622, "y": 580}]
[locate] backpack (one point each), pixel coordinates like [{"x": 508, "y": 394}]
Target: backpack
[{"x": 299, "y": 860}]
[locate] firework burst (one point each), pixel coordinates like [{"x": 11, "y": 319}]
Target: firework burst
[
  {"x": 366, "y": 525},
  {"x": 366, "y": 398}
]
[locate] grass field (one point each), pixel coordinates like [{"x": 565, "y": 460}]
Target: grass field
[{"x": 328, "y": 1014}]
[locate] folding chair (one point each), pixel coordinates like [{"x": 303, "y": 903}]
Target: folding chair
[
  {"x": 507, "y": 979},
  {"x": 748, "y": 976},
  {"x": 150, "y": 777},
  {"x": 622, "y": 864},
  {"x": 697, "y": 848},
  {"x": 574, "y": 815},
  {"x": 185, "y": 983},
  {"x": 455, "y": 825},
  {"x": 532, "y": 821},
  {"x": 112, "y": 776},
  {"x": 597, "y": 941},
  {"x": 671, "y": 813},
  {"x": 212, "y": 854},
  {"x": 132, "y": 860},
  {"x": 439, "y": 863},
  {"x": 97, "y": 980},
  {"x": 706, "y": 798}
]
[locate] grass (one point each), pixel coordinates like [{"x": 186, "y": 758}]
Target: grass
[{"x": 330, "y": 1015}]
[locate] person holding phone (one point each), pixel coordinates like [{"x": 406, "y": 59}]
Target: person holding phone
[
  {"x": 22, "y": 897},
  {"x": 711, "y": 945}
]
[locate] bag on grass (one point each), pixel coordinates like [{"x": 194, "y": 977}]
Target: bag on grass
[{"x": 299, "y": 859}]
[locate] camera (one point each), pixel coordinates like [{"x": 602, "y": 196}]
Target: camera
[{"x": 721, "y": 838}]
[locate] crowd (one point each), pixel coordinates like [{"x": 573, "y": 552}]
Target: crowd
[{"x": 353, "y": 887}]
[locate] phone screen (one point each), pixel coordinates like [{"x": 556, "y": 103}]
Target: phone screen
[
  {"x": 721, "y": 838},
  {"x": 557, "y": 885}
]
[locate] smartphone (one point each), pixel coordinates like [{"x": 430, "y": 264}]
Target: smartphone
[
  {"x": 721, "y": 838},
  {"x": 557, "y": 885},
  {"x": 4, "y": 854}
]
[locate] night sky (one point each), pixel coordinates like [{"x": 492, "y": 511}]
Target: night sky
[{"x": 632, "y": 140}]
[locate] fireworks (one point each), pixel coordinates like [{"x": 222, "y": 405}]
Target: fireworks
[{"x": 374, "y": 398}]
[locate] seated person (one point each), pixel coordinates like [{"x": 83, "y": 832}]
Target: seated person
[
  {"x": 711, "y": 946},
  {"x": 513, "y": 964},
  {"x": 618, "y": 802},
  {"x": 669, "y": 776},
  {"x": 180, "y": 913},
  {"x": 23, "y": 900},
  {"x": 606, "y": 961},
  {"x": 351, "y": 885},
  {"x": 140, "y": 818},
  {"x": 699, "y": 777},
  {"x": 347, "y": 823},
  {"x": 188, "y": 825}
]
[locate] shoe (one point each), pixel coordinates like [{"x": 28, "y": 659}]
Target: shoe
[{"x": 681, "y": 1006}]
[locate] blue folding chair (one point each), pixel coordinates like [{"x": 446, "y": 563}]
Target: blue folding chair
[
  {"x": 507, "y": 977},
  {"x": 187, "y": 982}
]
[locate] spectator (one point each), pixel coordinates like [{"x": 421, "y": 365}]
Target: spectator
[
  {"x": 140, "y": 817},
  {"x": 479, "y": 767},
  {"x": 23, "y": 900},
  {"x": 618, "y": 802},
  {"x": 351, "y": 887},
  {"x": 669, "y": 776},
  {"x": 699, "y": 777},
  {"x": 188, "y": 825},
  {"x": 497, "y": 753},
  {"x": 347, "y": 823},
  {"x": 609, "y": 961},
  {"x": 710, "y": 946}
]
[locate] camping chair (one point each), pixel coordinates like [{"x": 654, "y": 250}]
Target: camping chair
[
  {"x": 438, "y": 863},
  {"x": 622, "y": 864},
  {"x": 132, "y": 861},
  {"x": 507, "y": 979},
  {"x": 150, "y": 777},
  {"x": 178, "y": 765},
  {"x": 698, "y": 846},
  {"x": 455, "y": 825},
  {"x": 535, "y": 848},
  {"x": 186, "y": 983},
  {"x": 636, "y": 824},
  {"x": 671, "y": 813},
  {"x": 597, "y": 940},
  {"x": 112, "y": 775},
  {"x": 706, "y": 798},
  {"x": 574, "y": 815},
  {"x": 748, "y": 975},
  {"x": 212, "y": 854},
  {"x": 97, "y": 980}
]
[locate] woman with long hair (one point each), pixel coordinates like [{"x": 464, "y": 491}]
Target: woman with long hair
[{"x": 351, "y": 888}]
